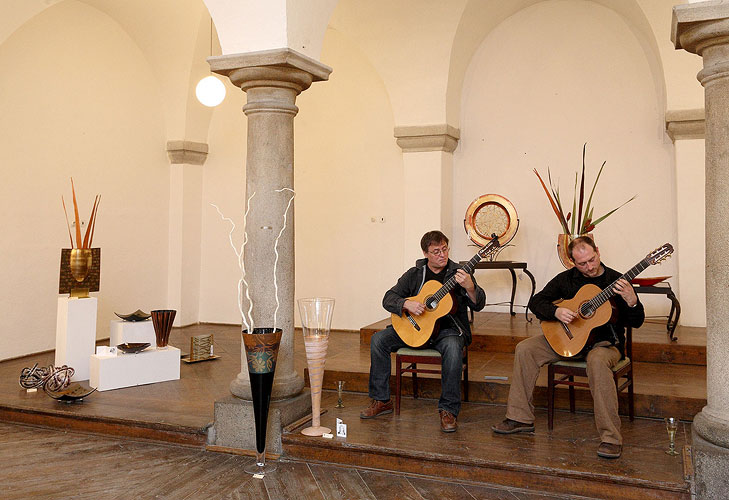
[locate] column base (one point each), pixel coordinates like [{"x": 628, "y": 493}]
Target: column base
[
  {"x": 710, "y": 449},
  {"x": 234, "y": 423}
]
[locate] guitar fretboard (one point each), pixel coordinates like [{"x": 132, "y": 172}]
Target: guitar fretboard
[
  {"x": 608, "y": 292},
  {"x": 469, "y": 266}
]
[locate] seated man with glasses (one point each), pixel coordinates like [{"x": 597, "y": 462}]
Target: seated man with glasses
[{"x": 454, "y": 332}]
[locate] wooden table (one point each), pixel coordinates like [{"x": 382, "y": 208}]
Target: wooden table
[
  {"x": 665, "y": 289},
  {"x": 511, "y": 266}
]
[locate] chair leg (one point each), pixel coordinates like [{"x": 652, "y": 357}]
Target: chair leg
[
  {"x": 572, "y": 395},
  {"x": 550, "y": 397},
  {"x": 415, "y": 381},
  {"x": 465, "y": 377},
  {"x": 398, "y": 383},
  {"x": 630, "y": 395}
]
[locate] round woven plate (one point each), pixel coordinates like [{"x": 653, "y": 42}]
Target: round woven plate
[{"x": 489, "y": 214}]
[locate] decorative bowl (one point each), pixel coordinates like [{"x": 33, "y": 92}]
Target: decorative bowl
[
  {"x": 137, "y": 315},
  {"x": 648, "y": 281},
  {"x": 74, "y": 392},
  {"x": 133, "y": 347}
]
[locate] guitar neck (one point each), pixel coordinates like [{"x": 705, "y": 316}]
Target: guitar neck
[
  {"x": 609, "y": 292},
  {"x": 469, "y": 266}
]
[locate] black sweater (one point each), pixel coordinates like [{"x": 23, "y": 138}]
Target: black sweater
[{"x": 566, "y": 285}]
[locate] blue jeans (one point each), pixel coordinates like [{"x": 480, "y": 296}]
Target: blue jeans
[{"x": 448, "y": 343}]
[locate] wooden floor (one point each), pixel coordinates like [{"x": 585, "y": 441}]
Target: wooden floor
[
  {"x": 51, "y": 464},
  {"x": 562, "y": 462}
]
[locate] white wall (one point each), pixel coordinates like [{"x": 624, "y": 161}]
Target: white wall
[
  {"x": 78, "y": 100},
  {"x": 546, "y": 80}
]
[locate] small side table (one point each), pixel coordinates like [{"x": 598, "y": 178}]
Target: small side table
[
  {"x": 511, "y": 266},
  {"x": 665, "y": 289}
]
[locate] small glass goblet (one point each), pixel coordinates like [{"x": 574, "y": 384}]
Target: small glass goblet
[
  {"x": 340, "y": 388},
  {"x": 671, "y": 428}
]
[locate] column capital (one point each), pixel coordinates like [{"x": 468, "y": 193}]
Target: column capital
[
  {"x": 442, "y": 137},
  {"x": 189, "y": 152},
  {"x": 694, "y": 27},
  {"x": 284, "y": 66},
  {"x": 686, "y": 124}
]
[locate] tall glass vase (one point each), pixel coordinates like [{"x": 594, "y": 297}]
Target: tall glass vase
[
  {"x": 261, "y": 352},
  {"x": 316, "y": 322}
]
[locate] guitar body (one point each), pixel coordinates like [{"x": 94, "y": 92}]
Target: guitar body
[
  {"x": 569, "y": 340},
  {"x": 417, "y": 330}
]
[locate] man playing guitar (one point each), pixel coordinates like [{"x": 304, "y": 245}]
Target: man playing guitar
[
  {"x": 602, "y": 353},
  {"x": 453, "y": 334}
]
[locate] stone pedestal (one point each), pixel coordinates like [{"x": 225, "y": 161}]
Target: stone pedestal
[
  {"x": 703, "y": 29},
  {"x": 234, "y": 427}
]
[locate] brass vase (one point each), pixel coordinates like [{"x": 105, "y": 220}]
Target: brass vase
[{"x": 80, "y": 263}]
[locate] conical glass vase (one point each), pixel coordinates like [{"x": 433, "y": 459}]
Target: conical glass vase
[
  {"x": 261, "y": 352},
  {"x": 316, "y": 322}
]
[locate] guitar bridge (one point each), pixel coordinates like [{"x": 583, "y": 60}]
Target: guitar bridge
[
  {"x": 413, "y": 322},
  {"x": 567, "y": 330}
]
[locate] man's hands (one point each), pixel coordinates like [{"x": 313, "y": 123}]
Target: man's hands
[
  {"x": 464, "y": 279},
  {"x": 413, "y": 307},
  {"x": 626, "y": 291},
  {"x": 564, "y": 315}
]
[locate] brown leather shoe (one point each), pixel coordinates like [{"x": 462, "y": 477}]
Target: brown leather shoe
[
  {"x": 609, "y": 450},
  {"x": 376, "y": 408},
  {"x": 447, "y": 421},
  {"x": 509, "y": 426}
]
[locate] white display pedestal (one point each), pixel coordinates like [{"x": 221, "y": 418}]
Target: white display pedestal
[
  {"x": 127, "y": 370},
  {"x": 76, "y": 334},
  {"x": 122, "y": 332}
]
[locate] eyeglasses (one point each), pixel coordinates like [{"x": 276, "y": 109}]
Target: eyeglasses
[{"x": 439, "y": 251}]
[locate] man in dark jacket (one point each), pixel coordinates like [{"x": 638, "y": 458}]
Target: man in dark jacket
[
  {"x": 453, "y": 335},
  {"x": 606, "y": 350}
]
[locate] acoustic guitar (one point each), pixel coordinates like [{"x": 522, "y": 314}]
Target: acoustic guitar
[
  {"x": 417, "y": 330},
  {"x": 593, "y": 309}
]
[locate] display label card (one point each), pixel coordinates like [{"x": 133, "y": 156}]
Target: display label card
[
  {"x": 327, "y": 436},
  {"x": 31, "y": 390},
  {"x": 341, "y": 428},
  {"x": 257, "y": 476},
  {"x": 105, "y": 350}
]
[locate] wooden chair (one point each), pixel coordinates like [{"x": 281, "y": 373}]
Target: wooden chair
[
  {"x": 571, "y": 369},
  {"x": 413, "y": 357}
]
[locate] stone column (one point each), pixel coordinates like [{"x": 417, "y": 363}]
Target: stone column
[
  {"x": 703, "y": 29},
  {"x": 271, "y": 80},
  {"x": 428, "y": 187},
  {"x": 183, "y": 277}
]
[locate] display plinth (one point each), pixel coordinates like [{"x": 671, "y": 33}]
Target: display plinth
[
  {"x": 127, "y": 370},
  {"x": 122, "y": 332},
  {"x": 76, "y": 334}
]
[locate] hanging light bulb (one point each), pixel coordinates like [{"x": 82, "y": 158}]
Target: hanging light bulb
[{"x": 210, "y": 91}]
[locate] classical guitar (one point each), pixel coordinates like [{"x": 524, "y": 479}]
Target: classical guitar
[
  {"x": 416, "y": 330},
  {"x": 593, "y": 309}
]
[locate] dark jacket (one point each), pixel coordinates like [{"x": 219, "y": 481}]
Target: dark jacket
[
  {"x": 566, "y": 285},
  {"x": 413, "y": 280}
]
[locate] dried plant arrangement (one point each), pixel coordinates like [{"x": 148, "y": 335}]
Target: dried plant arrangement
[
  {"x": 584, "y": 218},
  {"x": 89, "y": 236}
]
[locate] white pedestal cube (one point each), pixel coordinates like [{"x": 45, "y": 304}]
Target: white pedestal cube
[
  {"x": 76, "y": 334},
  {"x": 131, "y": 331},
  {"x": 127, "y": 370}
]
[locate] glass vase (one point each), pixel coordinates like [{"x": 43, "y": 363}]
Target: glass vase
[
  {"x": 261, "y": 352},
  {"x": 316, "y": 322}
]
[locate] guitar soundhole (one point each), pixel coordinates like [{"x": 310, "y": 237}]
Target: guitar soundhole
[
  {"x": 586, "y": 311},
  {"x": 431, "y": 303}
]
